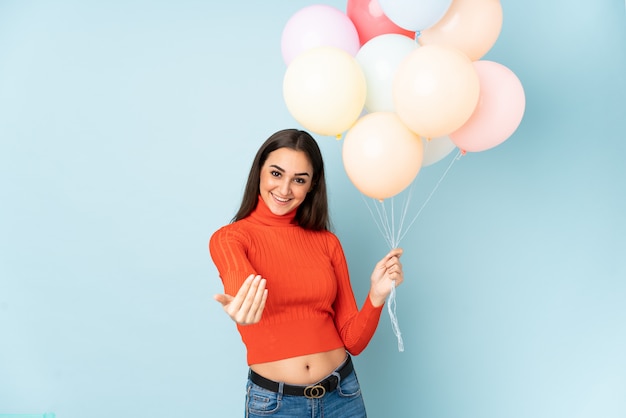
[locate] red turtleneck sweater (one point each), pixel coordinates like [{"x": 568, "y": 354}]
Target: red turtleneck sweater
[{"x": 310, "y": 306}]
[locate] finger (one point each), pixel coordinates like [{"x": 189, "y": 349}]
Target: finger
[
  {"x": 244, "y": 310},
  {"x": 392, "y": 255},
  {"x": 396, "y": 252},
  {"x": 259, "y": 310},
  {"x": 394, "y": 271},
  {"x": 393, "y": 261},
  {"x": 262, "y": 307},
  {"x": 384, "y": 263},
  {"x": 253, "y": 311},
  {"x": 397, "y": 275},
  {"x": 240, "y": 297},
  {"x": 223, "y": 299}
]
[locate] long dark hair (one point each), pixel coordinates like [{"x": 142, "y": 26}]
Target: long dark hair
[{"x": 313, "y": 211}]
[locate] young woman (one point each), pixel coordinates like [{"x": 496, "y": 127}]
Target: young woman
[{"x": 286, "y": 286}]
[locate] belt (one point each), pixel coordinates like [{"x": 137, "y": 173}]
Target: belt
[{"x": 316, "y": 390}]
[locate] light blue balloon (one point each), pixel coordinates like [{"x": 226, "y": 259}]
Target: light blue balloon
[{"x": 415, "y": 15}]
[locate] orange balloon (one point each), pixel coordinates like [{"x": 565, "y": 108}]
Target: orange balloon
[
  {"x": 472, "y": 26},
  {"x": 381, "y": 155},
  {"x": 435, "y": 90}
]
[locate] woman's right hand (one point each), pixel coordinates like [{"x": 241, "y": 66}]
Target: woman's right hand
[{"x": 246, "y": 307}]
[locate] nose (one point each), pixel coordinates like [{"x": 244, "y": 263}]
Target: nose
[{"x": 285, "y": 187}]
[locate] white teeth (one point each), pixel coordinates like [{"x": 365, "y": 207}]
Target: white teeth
[{"x": 281, "y": 199}]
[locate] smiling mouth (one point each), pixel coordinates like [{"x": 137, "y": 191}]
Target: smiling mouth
[{"x": 280, "y": 199}]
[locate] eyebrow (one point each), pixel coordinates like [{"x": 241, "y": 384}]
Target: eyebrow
[{"x": 283, "y": 170}]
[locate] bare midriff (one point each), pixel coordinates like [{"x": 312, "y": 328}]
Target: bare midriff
[{"x": 302, "y": 370}]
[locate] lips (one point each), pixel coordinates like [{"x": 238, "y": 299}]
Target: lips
[{"x": 280, "y": 199}]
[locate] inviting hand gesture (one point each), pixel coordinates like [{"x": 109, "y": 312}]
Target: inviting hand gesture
[
  {"x": 387, "y": 270},
  {"x": 246, "y": 307}
]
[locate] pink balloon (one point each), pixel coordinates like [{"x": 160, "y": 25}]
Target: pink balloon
[
  {"x": 370, "y": 20},
  {"x": 318, "y": 25},
  {"x": 499, "y": 110}
]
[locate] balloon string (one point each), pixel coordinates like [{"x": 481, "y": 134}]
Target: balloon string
[
  {"x": 393, "y": 237},
  {"x": 380, "y": 221},
  {"x": 405, "y": 211},
  {"x": 456, "y": 158},
  {"x": 386, "y": 230},
  {"x": 391, "y": 308},
  {"x": 386, "y": 222}
]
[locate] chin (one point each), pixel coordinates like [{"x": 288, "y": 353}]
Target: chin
[{"x": 281, "y": 210}]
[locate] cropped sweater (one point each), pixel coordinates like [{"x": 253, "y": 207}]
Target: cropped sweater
[{"x": 310, "y": 305}]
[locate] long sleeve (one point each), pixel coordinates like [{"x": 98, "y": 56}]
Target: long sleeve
[
  {"x": 228, "y": 248},
  {"x": 356, "y": 327}
]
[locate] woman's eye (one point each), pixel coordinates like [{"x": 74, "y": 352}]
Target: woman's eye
[
  {"x": 299, "y": 180},
  {"x": 275, "y": 173}
]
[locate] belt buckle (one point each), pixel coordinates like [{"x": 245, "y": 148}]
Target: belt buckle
[{"x": 314, "y": 392}]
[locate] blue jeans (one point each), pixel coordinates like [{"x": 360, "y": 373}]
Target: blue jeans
[{"x": 346, "y": 401}]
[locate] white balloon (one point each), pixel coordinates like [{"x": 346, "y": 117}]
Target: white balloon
[
  {"x": 436, "y": 149},
  {"x": 379, "y": 59}
]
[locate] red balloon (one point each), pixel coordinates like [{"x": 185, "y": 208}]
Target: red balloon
[{"x": 370, "y": 20}]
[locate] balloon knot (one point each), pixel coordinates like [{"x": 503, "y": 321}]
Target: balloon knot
[{"x": 338, "y": 136}]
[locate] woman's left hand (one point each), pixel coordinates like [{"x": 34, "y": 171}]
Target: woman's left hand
[{"x": 387, "y": 270}]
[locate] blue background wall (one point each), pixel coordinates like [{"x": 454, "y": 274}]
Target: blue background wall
[{"x": 126, "y": 133}]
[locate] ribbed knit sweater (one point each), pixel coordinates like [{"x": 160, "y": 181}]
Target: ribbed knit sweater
[{"x": 310, "y": 306}]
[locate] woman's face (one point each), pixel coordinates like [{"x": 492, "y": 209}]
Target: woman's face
[{"x": 286, "y": 178}]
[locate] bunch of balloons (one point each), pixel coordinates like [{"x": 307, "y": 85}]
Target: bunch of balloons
[{"x": 404, "y": 80}]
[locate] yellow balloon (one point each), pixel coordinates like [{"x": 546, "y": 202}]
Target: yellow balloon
[
  {"x": 472, "y": 26},
  {"x": 435, "y": 90},
  {"x": 381, "y": 155},
  {"x": 324, "y": 89}
]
